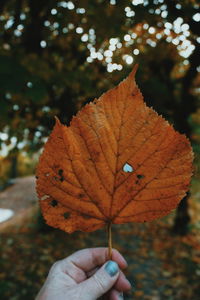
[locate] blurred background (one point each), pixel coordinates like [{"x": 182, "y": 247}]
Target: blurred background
[{"x": 55, "y": 56}]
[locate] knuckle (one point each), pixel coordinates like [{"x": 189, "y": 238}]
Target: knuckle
[
  {"x": 100, "y": 284},
  {"x": 55, "y": 266}
]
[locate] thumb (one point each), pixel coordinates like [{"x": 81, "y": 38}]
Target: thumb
[{"x": 100, "y": 282}]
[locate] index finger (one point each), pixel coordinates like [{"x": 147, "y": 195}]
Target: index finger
[{"x": 90, "y": 258}]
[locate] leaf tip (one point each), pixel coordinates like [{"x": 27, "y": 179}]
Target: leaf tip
[
  {"x": 57, "y": 121},
  {"x": 133, "y": 72},
  {"x": 56, "y": 118}
]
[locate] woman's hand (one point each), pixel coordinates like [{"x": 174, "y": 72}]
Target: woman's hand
[{"x": 86, "y": 275}]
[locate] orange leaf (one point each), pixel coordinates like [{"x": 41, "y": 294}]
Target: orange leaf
[{"x": 117, "y": 162}]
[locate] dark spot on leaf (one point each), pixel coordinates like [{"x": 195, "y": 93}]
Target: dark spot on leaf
[
  {"x": 66, "y": 215},
  {"x": 95, "y": 155},
  {"x": 56, "y": 178},
  {"x": 134, "y": 93},
  {"x": 54, "y": 203},
  {"x": 81, "y": 195},
  {"x": 60, "y": 172},
  {"x": 139, "y": 176},
  {"x": 95, "y": 201},
  {"x": 62, "y": 179}
]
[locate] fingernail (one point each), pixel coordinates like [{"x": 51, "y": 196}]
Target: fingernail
[
  {"x": 121, "y": 296},
  {"x": 111, "y": 268}
]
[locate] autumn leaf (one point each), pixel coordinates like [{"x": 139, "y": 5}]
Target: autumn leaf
[{"x": 117, "y": 162}]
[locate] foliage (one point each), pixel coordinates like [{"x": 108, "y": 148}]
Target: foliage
[
  {"x": 4, "y": 171},
  {"x": 25, "y": 166},
  {"x": 160, "y": 266},
  {"x": 56, "y": 56},
  {"x": 53, "y": 59}
]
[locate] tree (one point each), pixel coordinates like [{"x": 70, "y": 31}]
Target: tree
[{"x": 57, "y": 55}]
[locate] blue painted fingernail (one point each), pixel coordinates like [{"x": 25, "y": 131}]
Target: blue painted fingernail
[{"x": 111, "y": 268}]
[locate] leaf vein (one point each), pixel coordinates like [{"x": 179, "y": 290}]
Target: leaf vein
[
  {"x": 94, "y": 202},
  {"x": 132, "y": 199}
]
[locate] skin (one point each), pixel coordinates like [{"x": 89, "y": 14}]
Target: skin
[{"x": 82, "y": 275}]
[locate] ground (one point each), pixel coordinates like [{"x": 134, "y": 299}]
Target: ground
[{"x": 161, "y": 265}]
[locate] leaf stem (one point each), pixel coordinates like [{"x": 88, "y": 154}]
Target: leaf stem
[{"x": 109, "y": 241}]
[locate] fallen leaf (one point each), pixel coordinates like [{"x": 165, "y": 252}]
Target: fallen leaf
[
  {"x": 117, "y": 162},
  {"x": 138, "y": 293}
]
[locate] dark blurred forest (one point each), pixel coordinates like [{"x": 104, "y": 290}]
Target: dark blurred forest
[{"x": 55, "y": 56}]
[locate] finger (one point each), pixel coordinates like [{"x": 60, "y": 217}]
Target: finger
[
  {"x": 122, "y": 284},
  {"x": 88, "y": 259},
  {"x": 90, "y": 273},
  {"x": 100, "y": 282},
  {"x": 79, "y": 263},
  {"x": 115, "y": 295},
  {"x": 116, "y": 256}
]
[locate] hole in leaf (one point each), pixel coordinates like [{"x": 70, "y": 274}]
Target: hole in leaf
[
  {"x": 44, "y": 197},
  {"x": 66, "y": 215},
  {"x": 54, "y": 203},
  {"x": 128, "y": 168},
  {"x": 47, "y": 174}
]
